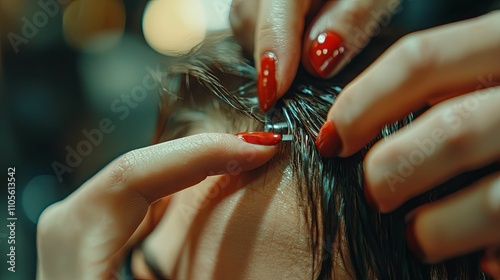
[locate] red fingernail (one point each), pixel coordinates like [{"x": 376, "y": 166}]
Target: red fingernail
[
  {"x": 328, "y": 141},
  {"x": 267, "y": 85},
  {"x": 260, "y": 138},
  {"x": 490, "y": 263},
  {"x": 412, "y": 242},
  {"x": 485, "y": 266},
  {"x": 326, "y": 53}
]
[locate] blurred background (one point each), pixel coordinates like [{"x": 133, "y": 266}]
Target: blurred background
[{"x": 78, "y": 87}]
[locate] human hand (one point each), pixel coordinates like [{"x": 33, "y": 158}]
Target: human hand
[
  {"x": 273, "y": 31},
  {"x": 455, "y": 69},
  {"x": 87, "y": 235}
]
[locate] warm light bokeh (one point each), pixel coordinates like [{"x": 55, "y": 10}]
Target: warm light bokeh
[
  {"x": 174, "y": 27},
  {"x": 86, "y": 20}
]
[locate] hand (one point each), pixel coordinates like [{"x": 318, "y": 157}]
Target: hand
[
  {"x": 455, "y": 69},
  {"x": 273, "y": 30},
  {"x": 87, "y": 235}
]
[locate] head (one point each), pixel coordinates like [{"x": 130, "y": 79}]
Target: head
[{"x": 313, "y": 209}]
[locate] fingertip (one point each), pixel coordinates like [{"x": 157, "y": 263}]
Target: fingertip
[
  {"x": 267, "y": 82},
  {"x": 328, "y": 141},
  {"x": 412, "y": 241},
  {"x": 281, "y": 36},
  {"x": 277, "y": 69},
  {"x": 260, "y": 138}
]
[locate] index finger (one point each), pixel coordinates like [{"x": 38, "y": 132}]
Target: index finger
[
  {"x": 278, "y": 39},
  {"x": 126, "y": 187},
  {"x": 416, "y": 71}
]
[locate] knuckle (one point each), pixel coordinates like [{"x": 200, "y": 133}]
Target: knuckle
[
  {"x": 358, "y": 13},
  {"x": 458, "y": 141},
  {"x": 267, "y": 32},
  {"x": 122, "y": 168},
  {"x": 417, "y": 52},
  {"x": 215, "y": 143},
  {"x": 207, "y": 145}
]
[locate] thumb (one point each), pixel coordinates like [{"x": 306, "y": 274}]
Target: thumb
[{"x": 107, "y": 210}]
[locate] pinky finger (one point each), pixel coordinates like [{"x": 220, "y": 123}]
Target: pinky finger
[{"x": 461, "y": 223}]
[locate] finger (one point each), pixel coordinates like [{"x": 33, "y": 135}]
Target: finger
[
  {"x": 490, "y": 263},
  {"x": 456, "y": 136},
  {"x": 459, "y": 224},
  {"x": 243, "y": 18},
  {"x": 278, "y": 40},
  {"x": 408, "y": 75},
  {"x": 123, "y": 191},
  {"x": 341, "y": 30}
]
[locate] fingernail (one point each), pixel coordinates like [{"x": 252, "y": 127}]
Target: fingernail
[
  {"x": 490, "y": 262},
  {"x": 485, "y": 266},
  {"x": 412, "y": 242},
  {"x": 267, "y": 85},
  {"x": 260, "y": 138},
  {"x": 369, "y": 197},
  {"x": 328, "y": 141},
  {"x": 326, "y": 53}
]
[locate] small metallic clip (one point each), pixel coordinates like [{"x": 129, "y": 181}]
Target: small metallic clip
[{"x": 281, "y": 128}]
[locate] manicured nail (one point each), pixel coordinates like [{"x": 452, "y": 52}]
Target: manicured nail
[
  {"x": 490, "y": 262},
  {"x": 326, "y": 53},
  {"x": 260, "y": 138},
  {"x": 328, "y": 141},
  {"x": 485, "y": 266},
  {"x": 267, "y": 86},
  {"x": 412, "y": 242}
]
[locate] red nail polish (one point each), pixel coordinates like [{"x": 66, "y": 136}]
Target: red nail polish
[
  {"x": 267, "y": 85},
  {"x": 485, "y": 266},
  {"x": 260, "y": 138},
  {"x": 412, "y": 242},
  {"x": 490, "y": 262},
  {"x": 328, "y": 141},
  {"x": 326, "y": 53}
]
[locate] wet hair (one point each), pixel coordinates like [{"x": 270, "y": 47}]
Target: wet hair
[{"x": 343, "y": 228}]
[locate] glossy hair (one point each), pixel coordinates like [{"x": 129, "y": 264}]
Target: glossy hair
[{"x": 343, "y": 228}]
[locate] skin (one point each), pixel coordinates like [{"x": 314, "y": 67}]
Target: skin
[
  {"x": 246, "y": 223},
  {"x": 288, "y": 29},
  {"x": 454, "y": 70},
  {"x": 109, "y": 213},
  {"x": 429, "y": 71}
]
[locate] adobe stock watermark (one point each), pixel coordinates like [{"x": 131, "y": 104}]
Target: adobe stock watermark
[
  {"x": 379, "y": 19},
  {"x": 121, "y": 106},
  {"x": 48, "y": 9},
  {"x": 425, "y": 147},
  {"x": 202, "y": 197}
]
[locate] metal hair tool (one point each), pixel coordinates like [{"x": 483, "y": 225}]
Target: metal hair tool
[{"x": 281, "y": 128}]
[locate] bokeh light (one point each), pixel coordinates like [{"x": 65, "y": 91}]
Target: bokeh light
[
  {"x": 39, "y": 193},
  {"x": 91, "y": 24},
  {"x": 174, "y": 27},
  {"x": 10, "y": 12}
]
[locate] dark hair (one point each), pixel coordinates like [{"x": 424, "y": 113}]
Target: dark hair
[{"x": 371, "y": 244}]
